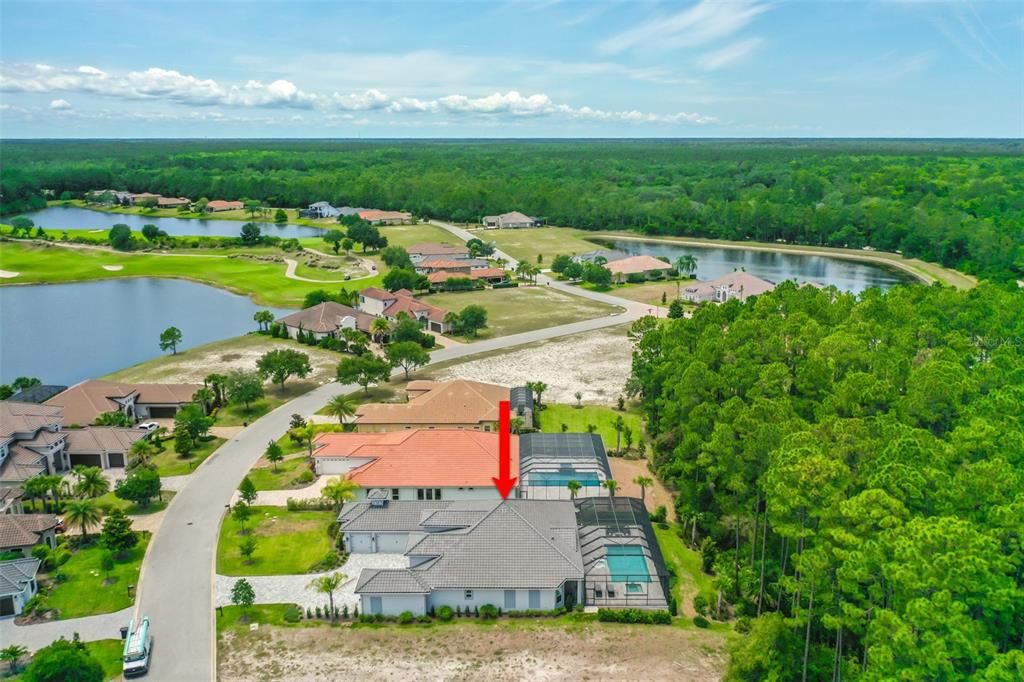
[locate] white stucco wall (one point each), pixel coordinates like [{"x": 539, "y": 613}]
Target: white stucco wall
[
  {"x": 394, "y": 604},
  {"x": 455, "y": 493},
  {"x": 453, "y": 598}
]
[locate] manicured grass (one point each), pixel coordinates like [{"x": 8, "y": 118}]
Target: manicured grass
[
  {"x": 548, "y": 241},
  {"x": 576, "y": 418},
  {"x": 87, "y": 592},
  {"x": 286, "y": 542},
  {"x": 511, "y": 311},
  {"x": 686, "y": 564},
  {"x": 377, "y": 394},
  {"x": 107, "y": 652},
  {"x": 237, "y": 415},
  {"x": 266, "y": 478},
  {"x": 229, "y": 618},
  {"x": 168, "y": 463},
  {"x": 110, "y": 502}
]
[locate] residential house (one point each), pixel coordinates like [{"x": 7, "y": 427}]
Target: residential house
[
  {"x": 85, "y": 401},
  {"x": 320, "y": 209},
  {"x": 17, "y": 584},
  {"x": 738, "y": 284},
  {"x": 19, "y": 533},
  {"x": 516, "y": 554},
  {"x": 218, "y": 205},
  {"x": 386, "y": 304},
  {"x": 548, "y": 461},
  {"x": 647, "y": 267},
  {"x": 515, "y": 219},
  {"x": 349, "y": 210},
  {"x": 609, "y": 255},
  {"x": 105, "y": 447},
  {"x": 145, "y": 197},
  {"x": 490, "y": 275},
  {"x": 419, "y": 252},
  {"x": 326, "y": 319},
  {"x": 458, "y": 404},
  {"x": 377, "y": 217},
  {"x": 419, "y": 464},
  {"x": 173, "y": 202},
  {"x": 444, "y": 263},
  {"x": 37, "y": 394},
  {"x": 10, "y": 499}
]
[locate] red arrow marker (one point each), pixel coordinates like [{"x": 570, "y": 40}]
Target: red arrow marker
[{"x": 505, "y": 481}]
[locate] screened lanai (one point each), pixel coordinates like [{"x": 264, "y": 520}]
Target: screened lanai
[{"x": 548, "y": 461}]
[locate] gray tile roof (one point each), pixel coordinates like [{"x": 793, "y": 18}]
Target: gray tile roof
[
  {"x": 391, "y": 581},
  {"x": 401, "y": 516},
  {"x": 16, "y": 574}
]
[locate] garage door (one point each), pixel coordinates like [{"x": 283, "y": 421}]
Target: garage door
[
  {"x": 87, "y": 460},
  {"x": 116, "y": 459},
  {"x": 6, "y": 606},
  {"x": 360, "y": 542},
  {"x": 392, "y": 543},
  {"x": 162, "y": 412}
]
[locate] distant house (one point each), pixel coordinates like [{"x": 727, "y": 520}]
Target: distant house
[
  {"x": 457, "y": 404},
  {"x": 386, "y": 304},
  {"x": 19, "y": 533},
  {"x": 609, "y": 255},
  {"x": 85, "y": 401},
  {"x": 173, "y": 202},
  {"x": 349, "y": 210},
  {"x": 320, "y": 209},
  {"x": 422, "y": 251},
  {"x": 144, "y": 197},
  {"x": 377, "y": 217},
  {"x": 515, "y": 219},
  {"x": 418, "y": 464},
  {"x": 39, "y": 393},
  {"x": 739, "y": 285},
  {"x": 220, "y": 205},
  {"x": 17, "y": 584},
  {"x": 491, "y": 275},
  {"x": 10, "y": 499},
  {"x": 647, "y": 267},
  {"x": 326, "y": 319}
]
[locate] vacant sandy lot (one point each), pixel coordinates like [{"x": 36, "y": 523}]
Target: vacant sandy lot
[
  {"x": 506, "y": 651},
  {"x": 625, "y": 470},
  {"x": 595, "y": 363}
]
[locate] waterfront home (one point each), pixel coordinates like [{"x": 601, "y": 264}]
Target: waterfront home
[
  {"x": 220, "y": 205},
  {"x": 644, "y": 267},
  {"x": 173, "y": 202},
  {"x": 87, "y": 400},
  {"x": 736, "y": 285},
  {"x": 377, "y": 217},
  {"x": 387, "y": 304},
  {"x": 320, "y": 209},
  {"x": 326, "y": 319},
  {"x": 512, "y": 220},
  {"x": 608, "y": 255}
]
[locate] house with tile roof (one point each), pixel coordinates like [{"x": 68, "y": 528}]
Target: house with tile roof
[
  {"x": 388, "y": 304},
  {"x": 378, "y": 217},
  {"x": 87, "y": 400},
  {"x": 326, "y": 319},
  {"x": 19, "y": 533},
  {"x": 418, "y": 464},
  {"x": 320, "y": 209},
  {"x": 738, "y": 284},
  {"x": 645, "y": 267},
  {"x": 457, "y": 404},
  {"x": 17, "y": 584},
  {"x": 423, "y": 250},
  {"x": 220, "y": 205},
  {"x": 173, "y": 202},
  {"x": 609, "y": 255},
  {"x": 514, "y": 554},
  {"x": 511, "y": 220}
]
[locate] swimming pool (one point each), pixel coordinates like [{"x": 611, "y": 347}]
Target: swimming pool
[
  {"x": 559, "y": 479},
  {"x": 626, "y": 563}
]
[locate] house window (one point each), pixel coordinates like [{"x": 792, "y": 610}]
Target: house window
[
  {"x": 598, "y": 592},
  {"x": 419, "y": 493},
  {"x": 469, "y": 594},
  {"x": 437, "y": 493},
  {"x": 428, "y": 494},
  {"x": 534, "y": 599},
  {"x": 510, "y": 599},
  {"x": 394, "y": 493}
]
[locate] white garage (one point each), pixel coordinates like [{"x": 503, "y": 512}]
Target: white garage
[{"x": 376, "y": 543}]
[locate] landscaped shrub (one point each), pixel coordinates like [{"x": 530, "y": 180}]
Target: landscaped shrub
[
  {"x": 309, "y": 612},
  {"x": 458, "y": 611},
  {"x": 405, "y": 618},
  {"x": 476, "y": 612},
  {"x": 634, "y": 616},
  {"x": 659, "y": 514},
  {"x": 292, "y": 614},
  {"x": 700, "y": 604},
  {"x": 306, "y": 476},
  {"x": 505, "y": 285},
  {"x": 344, "y": 612},
  {"x": 445, "y": 613},
  {"x": 488, "y": 611},
  {"x": 743, "y": 625},
  {"x": 318, "y": 504},
  {"x": 701, "y": 621},
  {"x": 318, "y": 611},
  {"x": 536, "y": 613}
]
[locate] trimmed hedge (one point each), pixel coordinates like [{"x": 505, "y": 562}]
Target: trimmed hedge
[{"x": 634, "y": 616}]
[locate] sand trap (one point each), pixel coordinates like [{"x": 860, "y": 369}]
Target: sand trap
[
  {"x": 113, "y": 268},
  {"x": 7, "y": 274}
]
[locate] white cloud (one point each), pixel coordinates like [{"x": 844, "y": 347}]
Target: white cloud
[
  {"x": 163, "y": 85},
  {"x": 60, "y": 104},
  {"x": 729, "y": 55},
  {"x": 703, "y": 23}
]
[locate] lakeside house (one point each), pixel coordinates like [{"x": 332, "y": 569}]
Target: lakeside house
[
  {"x": 736, "y": 285},
  {"x": 19, "y": 533},
  {"x": 39, "y": 393},
  {"x": 424, "y": 250},
  {"x": 378, "y": 217},
  {"x": 145, "y": 197},
  {"x": 632, "y": 267},
  {"x": 511, "y": 220},
  {"x": 418, "y": 464},
  {"x": 326, "y": 319},
  {"x": 218, "y": 205},
  {"x": 17, "y": 584},
  {"x": 490, "y": 275},
  {"x": 87, "y": 400},
  {"x": 457, "y": 404},
  {"x": 386, "y": 304},
  {"x": 320, "y": 209},
  {"x": 173, "y": 202},
  {"x": 608, "y": 255}
]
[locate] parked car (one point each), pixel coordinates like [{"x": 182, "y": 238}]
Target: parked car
[{"x": 148, "y": 426}]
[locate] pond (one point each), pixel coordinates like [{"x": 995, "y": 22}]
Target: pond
[
  {"x": 56, "y": 218},
  {"x": 775, "y": 266},
  {"x": 64, "y": 333}
]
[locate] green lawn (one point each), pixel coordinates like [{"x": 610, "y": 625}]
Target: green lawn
[
  {"x": 229, "y": 618},
  {"x": 287, "y": 542},
  {"x": 284, "y": 478},
  {"x": 107, "y": 651},
  {"x": 87, "y": 591},
  {"x": 686, "y": 564},
  {"x": 547, "y": 241},
  {"x": 110, "y": 502},
  {"x": 237, "y": 415},
  {"x": 168, "y": 463},
  {"x": 576, "y": 418},
  {"x": 511, "y": 311}
]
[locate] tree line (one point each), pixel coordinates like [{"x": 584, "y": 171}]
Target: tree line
[{"x": 957, "y": 203}]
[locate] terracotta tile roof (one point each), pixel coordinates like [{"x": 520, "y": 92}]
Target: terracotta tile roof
[
  {"x": 22, "y": 530},
  {"x": 99, "y": 439},
  {"x": 436, "y": 249},
  {"x": 740, "y": 284},
  {"x": 636, "y": 264},
  {"x": 484, "y": 273},
  {"x": 404, "y": 303},
  {"x": 442, "y": 264},
  {"x": 377, "y": 294},
  {"x": 373, "y": 215},
  {"x": 85, "y": 401},
  {"x": 420, "y": 457},
  {"x": 21, "y": 464},
  {"x": 221, "y": 205},
  {"x": 442, "y": 402},
  {"x": 27, "y": 417},
  {"x": 327, "y": 317},
  {"x": 172, "y": 201}
]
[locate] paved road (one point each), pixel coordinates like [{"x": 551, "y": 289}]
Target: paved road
[
  {"x": 34, "y": 637},
  {"x": 177, "y": 582}
]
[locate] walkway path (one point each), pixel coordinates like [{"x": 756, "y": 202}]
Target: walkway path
[
  {"x": 289, "y": 272},
  {"x": 279, "y": 498},
  {"x": 33, "y": 637}
]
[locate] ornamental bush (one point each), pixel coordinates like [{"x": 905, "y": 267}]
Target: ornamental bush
[
  {"x": 634, "y": 616},
  {"x": 488, "y": 611},
  {"x": 405, "y": 618},
  {"x": 445, "y": 613}
]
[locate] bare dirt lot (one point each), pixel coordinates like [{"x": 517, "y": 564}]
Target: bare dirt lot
[
  {"x": 625, "y": 470},
  {"x": 508, "y": 650},
  {"x": 595, "y": 363}
]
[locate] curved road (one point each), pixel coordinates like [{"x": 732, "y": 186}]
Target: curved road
[{"x": 177, "y": 581}]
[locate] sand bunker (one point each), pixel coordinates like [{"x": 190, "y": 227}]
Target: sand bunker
[
  {"x": 113, "y": 268},
  {"x": 7, "y": 274}
]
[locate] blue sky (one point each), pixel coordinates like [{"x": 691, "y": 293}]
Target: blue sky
[{"x": 514, "y": 69}]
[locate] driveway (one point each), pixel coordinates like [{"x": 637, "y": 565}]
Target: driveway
[
  {"x": 279, "y": 498},
  {"x": 34, "y": 637}
]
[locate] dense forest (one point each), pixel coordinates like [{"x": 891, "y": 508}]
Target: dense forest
[
  {"x": 960, "y": 203},
  {"x": 852, "y": 470}
]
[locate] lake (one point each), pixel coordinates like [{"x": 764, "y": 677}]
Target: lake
[
  {"x": 64, "y": 333},
  {"x": 56, "y": 218},
  {"x": 775, "y": 266}
]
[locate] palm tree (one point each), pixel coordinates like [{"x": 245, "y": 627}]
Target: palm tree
[
  {"x": 205, "y": 397},
  {"x": 353, "y": 337},
  {"x": 379, "y": 328},
  {"x": 305, "y": 433},
  {"x": 538, "y": 388},
  {"x": 263, "y": 318},
  {"x": 83, "y": 513},
  {"x": 523, "y": 270},
  {"x": 643, "y": 482},
  {"x": 343, "y": 407},
  {"x": 216, "y": 383},
  {"x": 619, "y": 424},
  {"x": 12, "y": 654},
  {"x": 140, "y": 453},
  {"x": 611, "y": 485},
  {"x": 36, "y": 488},
  {"x": 54, "y": 486},
  {"x": 516, "y": 424},
  {"x": 687, "y": 264},
  {"x": 92, "y": 482},
  {"x": 339, "y": 491},
  {"x": 327, "y": 584},
  {"x": 574, "y": 487},
  {"x": 579, "y": 399}
]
